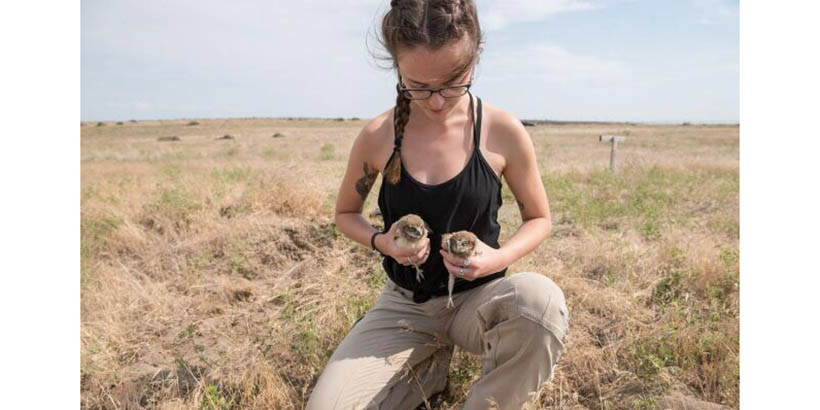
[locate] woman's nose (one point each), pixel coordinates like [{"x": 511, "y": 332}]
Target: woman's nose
[{"x": 436, "y": 101}]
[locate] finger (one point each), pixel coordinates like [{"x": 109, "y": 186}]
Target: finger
[
  {"x": 454, "y": 260},
  {"x": 405, "y": 260},
  {"x": 421, "y": 255},
  {"x": 453, "y": 269},
  {"x": 425, "y": 254},
  {"x": 446, "y": 256}
]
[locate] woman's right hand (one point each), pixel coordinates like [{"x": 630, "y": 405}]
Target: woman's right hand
[{"x": 390, "y": 247}]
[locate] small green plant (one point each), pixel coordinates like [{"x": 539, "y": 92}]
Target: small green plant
[
  {"x": 305, "y": 343},
  {"x": 193, "y": 123},
  {"x": 189, "y": 332},
  {"x": 174, "y": 204},
  {"x": 94, "y": 228},
  {"x": 651, "y": 356},
  {"x": 214, "y": 399},
  {"x": 649, "y": 228},
  {"x": 289, "y": 311},
  {"x": 238, "y": 265},
  {"x": 327, "y": 152},
  {"x": 172, "y": 171},
  {"x": 668, "y": 289},
  {"x": 177, "y": 201},
  {"x": 357, "y": 306},
  {"x": 467, "y": 368},
  {"x": 332, "y": 230},
  {"x": 376, "y": 278},
  {"x": 645, "y": 403},
  {"x": 232, "y": 174}
]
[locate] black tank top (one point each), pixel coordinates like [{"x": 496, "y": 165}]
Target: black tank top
[{"x": 469, "y": 201}]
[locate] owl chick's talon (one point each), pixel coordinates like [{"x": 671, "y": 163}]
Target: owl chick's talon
[{"x": 419, "y": 274}]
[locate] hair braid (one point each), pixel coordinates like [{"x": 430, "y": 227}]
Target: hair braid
[{"x": 392, "y": 171}]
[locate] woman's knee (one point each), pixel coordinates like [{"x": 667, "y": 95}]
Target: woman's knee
[{"x": 541, "y": 300}]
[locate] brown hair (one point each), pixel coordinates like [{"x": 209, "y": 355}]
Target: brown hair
[{"x": 429, "y": 23}]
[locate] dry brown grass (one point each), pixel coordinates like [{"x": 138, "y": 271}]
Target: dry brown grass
[{"x": 212, "y": 275}]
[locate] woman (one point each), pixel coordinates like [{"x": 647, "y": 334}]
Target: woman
[{"x": 442, "y": 153}]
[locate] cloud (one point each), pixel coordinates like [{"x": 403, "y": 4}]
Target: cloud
[
  {"x": 713, "y": 11},
  {"x": 551, "y": 63},
  {"x": 498, "y": 14}
]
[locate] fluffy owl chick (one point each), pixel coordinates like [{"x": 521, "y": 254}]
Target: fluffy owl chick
[
  {"x": 461, "y": 244},
  {"x": 410, "y": 232}
]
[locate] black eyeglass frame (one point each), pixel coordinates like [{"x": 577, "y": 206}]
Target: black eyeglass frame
[{"x": 431, "y": 91}]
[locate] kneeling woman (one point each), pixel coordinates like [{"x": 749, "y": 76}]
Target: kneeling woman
[{"x": 442, "y": 153}]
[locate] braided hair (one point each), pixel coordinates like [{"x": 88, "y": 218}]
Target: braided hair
[{"x": 429, "y": 23}]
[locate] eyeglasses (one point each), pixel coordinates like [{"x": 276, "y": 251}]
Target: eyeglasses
[{"x": 451, "y": 91}]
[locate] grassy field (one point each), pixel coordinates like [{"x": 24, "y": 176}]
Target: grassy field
[{"x": 213, "y": 277}]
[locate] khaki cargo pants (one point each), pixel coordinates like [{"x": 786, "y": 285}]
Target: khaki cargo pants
[{"x": 399, "y": 353}]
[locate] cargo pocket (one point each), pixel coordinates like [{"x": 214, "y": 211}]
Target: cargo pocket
[
  {"x": 489, "y": 357},
  {"x": 499, "y": 309}
]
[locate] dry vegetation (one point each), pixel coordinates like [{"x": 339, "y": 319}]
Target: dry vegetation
[{"x": 213, "y": 276}]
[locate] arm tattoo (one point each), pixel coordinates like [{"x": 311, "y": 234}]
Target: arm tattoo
[{"x": 364, "y": 183}]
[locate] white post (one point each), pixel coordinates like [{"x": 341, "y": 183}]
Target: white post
[{"x": 613, "y": 140}]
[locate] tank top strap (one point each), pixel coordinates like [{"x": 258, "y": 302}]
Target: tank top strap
[{"x": 477, "y": 123}]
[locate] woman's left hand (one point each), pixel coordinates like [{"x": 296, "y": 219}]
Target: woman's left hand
[{"x": 485, "y": 261}]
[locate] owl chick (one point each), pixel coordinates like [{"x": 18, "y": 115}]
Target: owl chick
[
  {"x": 411, "y": 229},
  {"x": 461, "y": 244}
]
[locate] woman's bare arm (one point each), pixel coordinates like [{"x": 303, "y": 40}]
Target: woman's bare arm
[
  {"x": 359, "y": 178},
  {"x": 522, "y": 175}
]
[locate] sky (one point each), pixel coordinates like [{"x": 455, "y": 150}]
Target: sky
[{"x": 566, "y": 60}]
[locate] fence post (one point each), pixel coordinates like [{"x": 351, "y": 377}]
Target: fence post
[{"x": 613, "y": 140}]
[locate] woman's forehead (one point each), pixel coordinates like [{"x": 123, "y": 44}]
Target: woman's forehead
[{"x": 432, "y": 67}]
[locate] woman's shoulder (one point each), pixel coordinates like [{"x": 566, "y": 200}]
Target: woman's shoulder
[
  {"x": 504, "y": 131},
  {"x": 376, "y": 138}
]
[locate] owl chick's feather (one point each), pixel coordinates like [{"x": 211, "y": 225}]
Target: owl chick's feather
[
  {"x": 462, "y": 244},
  {"x": 411, "y": 230}
]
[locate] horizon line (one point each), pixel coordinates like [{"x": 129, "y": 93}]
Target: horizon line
[{"x": 341, "y": 119}]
